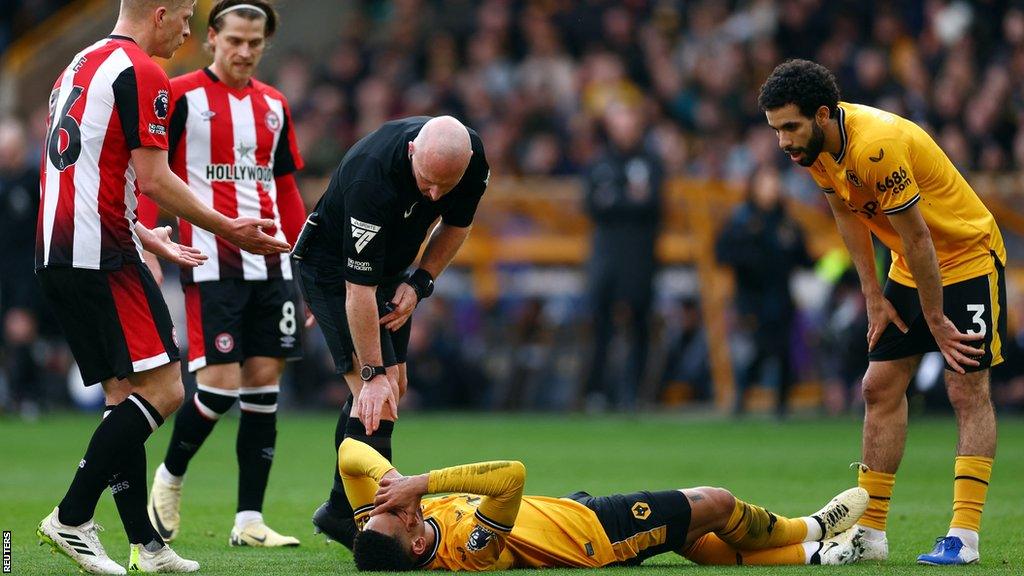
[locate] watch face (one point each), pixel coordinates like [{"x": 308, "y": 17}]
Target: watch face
[{"x": 366, "y": 373}]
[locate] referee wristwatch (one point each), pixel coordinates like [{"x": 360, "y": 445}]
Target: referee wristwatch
[{"x": 367, "y": 372}]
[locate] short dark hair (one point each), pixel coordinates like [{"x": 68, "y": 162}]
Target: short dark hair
[
  {"x": 807, "y": 84},
  {"x": 377, "y": 552},
  {"x": 216, "y": 18}
]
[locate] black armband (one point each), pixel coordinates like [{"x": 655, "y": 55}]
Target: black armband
[{"x": 422, "y": 283}]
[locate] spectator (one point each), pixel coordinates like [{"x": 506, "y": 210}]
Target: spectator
[
  {"x": 623, "y": 198},
  {"x": 764, "y": 246},
  {"x": 20, "y": 305}
]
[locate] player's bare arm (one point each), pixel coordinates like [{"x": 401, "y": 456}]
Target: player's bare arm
[
  {"x": 858, "y": 243},
  {"x": 444, "y": 243},
  {"x": 919, "y": 252},
  {"x": 378, "y": 397},
  {"x": 170, "y": 192}
]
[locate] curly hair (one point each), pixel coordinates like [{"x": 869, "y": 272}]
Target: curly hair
[
  {"x": 377, "y": 552},
  {"x": 807, "y": 84}
]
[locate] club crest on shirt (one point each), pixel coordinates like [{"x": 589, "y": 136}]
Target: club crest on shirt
[
  {"x": 852, "y": 177},
  {"x": 272, "y": 120},
  {"x": 161, "y": 104},
  {"x": 479, "y": 538},
  {"x": 224, "y": 343}
]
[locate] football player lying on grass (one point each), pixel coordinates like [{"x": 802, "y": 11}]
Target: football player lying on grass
[{"x": 486, "y": 523}]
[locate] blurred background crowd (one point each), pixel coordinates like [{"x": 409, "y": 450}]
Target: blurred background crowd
[{"x": 563, "y": 94}]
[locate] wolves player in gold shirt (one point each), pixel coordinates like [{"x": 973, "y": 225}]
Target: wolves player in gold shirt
[
  {"x": 884, "y": 175},
  {"x": 488, "y": 524}
]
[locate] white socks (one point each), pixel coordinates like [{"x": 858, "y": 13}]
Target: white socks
[
  {"x": 167, "y": 477},
  {"x": 872, "y": 533},
  {"x": 810, "y": 549},
  {"x": 247, "y": 517},
  {"x": 813, "y": 529},
  {"x": 968, "y": 537}
]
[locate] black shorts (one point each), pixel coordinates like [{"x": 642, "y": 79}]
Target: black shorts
[
  {"x": 116, "y": 321},
  {"x": 644, "y": 523},
  {"x": 975, "y": 306},
  {"x": 234, "y": 319},
  {"x": 323, "y": 287}
]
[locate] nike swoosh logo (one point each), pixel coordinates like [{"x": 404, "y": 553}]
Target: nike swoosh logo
[
  {"x": 881, "y": 154},
  {"x": 164, "y": 532},
  {"x": 264, "y": 539},
  {"x": 830, "y": 546},
  {"x": 409, "y": 211}
]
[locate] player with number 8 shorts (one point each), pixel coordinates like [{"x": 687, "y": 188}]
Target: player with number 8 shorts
[{"x": 232, "y": 139}]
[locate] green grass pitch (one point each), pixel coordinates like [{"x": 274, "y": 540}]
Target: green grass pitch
[{"x": 792, "y": 469}]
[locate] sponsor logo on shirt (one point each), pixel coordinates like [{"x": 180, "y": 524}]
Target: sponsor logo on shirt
[
  {"x": 237, "y": 172},
  {"x": 360, "y": 265},
  {"x": 363, "y": 232}
]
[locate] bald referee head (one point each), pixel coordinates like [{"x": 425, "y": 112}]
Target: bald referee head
[{"x": 440, "y": 154}]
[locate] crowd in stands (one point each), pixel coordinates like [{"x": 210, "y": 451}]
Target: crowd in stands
[{"x": 534, "y": 78}]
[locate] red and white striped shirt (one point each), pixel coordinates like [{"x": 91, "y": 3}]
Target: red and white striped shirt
[
  {"x": 231, "y": 146},
  {"x": 111, "y": 99}
]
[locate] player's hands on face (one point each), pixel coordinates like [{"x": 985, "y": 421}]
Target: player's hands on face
[
  {"x": 880, "y": 314},
  {"x": 400, "y": 495},
  {"x": 248, "y": 234},
  {"x": 405, "y": 301},
  {"x": 163, "y": 247},
  {"x": 373, "y": 397},
  {"x": 951, "y": 343}
]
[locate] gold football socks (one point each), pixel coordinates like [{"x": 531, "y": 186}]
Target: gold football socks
[{"x": 753, "y": 527}]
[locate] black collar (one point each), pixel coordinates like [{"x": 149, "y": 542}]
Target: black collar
[
  {"x": 120, "y": 37},
  {"x": 842, "y": 137},
  {"x": 211, "y": 75},
  {"x": 437, "y": 544}
]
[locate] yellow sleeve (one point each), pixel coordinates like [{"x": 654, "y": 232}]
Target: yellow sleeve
[
  {"x": 361, "y": 468},
  {"x": 887, "y": 171},
  {"x": 500, "y": 483}
]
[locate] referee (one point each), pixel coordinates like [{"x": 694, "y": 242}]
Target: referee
[{"x": 353, "y": 257}]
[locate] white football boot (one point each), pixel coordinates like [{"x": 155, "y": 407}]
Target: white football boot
[
  {"x": 842, "y": 512},
  {"x": 163, "y": 560},
  {"x": 79, "y": 543}
]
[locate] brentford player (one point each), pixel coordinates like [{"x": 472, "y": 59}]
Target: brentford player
[
  {"x": 231, "y": 139},
  {"x": 107, "y": 140}
]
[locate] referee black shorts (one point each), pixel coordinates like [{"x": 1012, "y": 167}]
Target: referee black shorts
[
  {"x": 641, "y": 524},
  {"x": 323, "y": 287},
  {"x": 975, "y": 306}
]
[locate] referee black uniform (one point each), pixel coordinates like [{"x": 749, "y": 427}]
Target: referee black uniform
[{"x": 367, "y": 229}]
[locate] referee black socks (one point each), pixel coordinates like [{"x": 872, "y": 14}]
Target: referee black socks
[
  {"x": 121, "y": 433},
  {"x": 379, "y": 441},
  {"x": 338, "y": 501},
  {"x": 193, "y": 425}
]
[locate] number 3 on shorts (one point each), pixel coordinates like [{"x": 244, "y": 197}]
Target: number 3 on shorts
[
  {"x": 288, "y": 324},
  {"x": 979, "y": 311}
]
